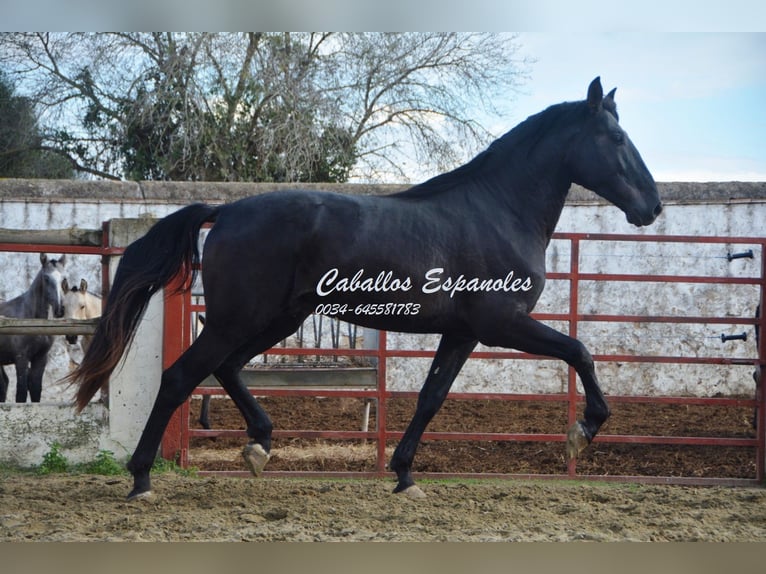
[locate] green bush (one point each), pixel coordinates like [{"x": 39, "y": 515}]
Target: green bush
[
  {"x": 53, "y": 461},
  {"x": 162, "y": 465},
  {"x": 105, "y": 464}
]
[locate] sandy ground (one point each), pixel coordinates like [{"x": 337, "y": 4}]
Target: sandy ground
[{"x": 184, "y": 508}]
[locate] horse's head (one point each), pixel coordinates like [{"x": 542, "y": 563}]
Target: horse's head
[
  {"x": 52, "y": 276},
  {"x": 603, "y": 159},
  {"x": 75, "y": 304}
]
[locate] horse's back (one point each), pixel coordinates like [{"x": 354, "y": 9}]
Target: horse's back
[{"x": 285, "y": 225}]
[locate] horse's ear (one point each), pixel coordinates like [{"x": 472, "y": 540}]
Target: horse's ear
[
  {"x": 65, "y": 285},
  {"x": 62, "y": 260},
  {"x": 83, "y": 285},
  {"x": 610, "y": 105},
  {"x": 43, "y": 258},
  {"x": 595, "y": 94}
]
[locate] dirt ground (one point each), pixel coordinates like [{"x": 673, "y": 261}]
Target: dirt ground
[
  {"x": 91, "y": 508},
  {"x": 270, "y": 508}
]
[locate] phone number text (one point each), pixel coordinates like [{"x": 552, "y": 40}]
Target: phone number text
[{"x": 368, "y": 309}]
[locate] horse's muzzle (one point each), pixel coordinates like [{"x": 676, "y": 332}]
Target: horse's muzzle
[{"x": 642, "y": 220}]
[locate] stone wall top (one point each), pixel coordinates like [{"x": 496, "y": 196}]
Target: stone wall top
[{"x": 157, "y": 192}]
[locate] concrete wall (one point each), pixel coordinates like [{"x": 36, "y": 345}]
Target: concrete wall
[{"x": 730, "y": 209}]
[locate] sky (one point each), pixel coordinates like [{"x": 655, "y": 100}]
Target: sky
[
  {"x": 694, "y": 104},
  {"x": 690, "y": 76}
]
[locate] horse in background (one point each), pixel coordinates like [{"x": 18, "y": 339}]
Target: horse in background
[
  {"x": 81, "y": 304},
  {"x": 29, "y": 353}
]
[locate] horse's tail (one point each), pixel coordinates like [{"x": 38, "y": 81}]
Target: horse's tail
[{"x": 169, "y": 250}]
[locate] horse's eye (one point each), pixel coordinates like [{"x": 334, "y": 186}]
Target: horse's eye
[{"x": 618, "y": 137}]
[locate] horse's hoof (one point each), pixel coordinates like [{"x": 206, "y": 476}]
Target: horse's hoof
[
  {"x": 255, "y": 457},
  {"x": 577, "y": 440},
  {"x": 413, "y": 492},
  {"x": 134, "y": 496}
]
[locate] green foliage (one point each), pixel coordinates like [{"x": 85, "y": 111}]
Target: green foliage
[
  {"x": 21, "y": 153},
  {"x": 104, "y": 464},
  {"x": 163, "y": 465},
  {"x": 53, "y": 461},
  {"x": 268, "y": 129}
]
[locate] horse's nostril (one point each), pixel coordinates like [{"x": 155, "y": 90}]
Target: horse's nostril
[{"x": 658, "y": 210}]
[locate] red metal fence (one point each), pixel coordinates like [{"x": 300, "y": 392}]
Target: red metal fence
[
  {"x": 30, "y": 245},
  {"x": 179, "y": 316}
]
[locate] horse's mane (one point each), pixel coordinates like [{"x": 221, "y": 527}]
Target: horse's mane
[{"x": 519, "y": 140}]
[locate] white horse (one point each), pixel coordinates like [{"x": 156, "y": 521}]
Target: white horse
[{"x": 79, "y": 303}]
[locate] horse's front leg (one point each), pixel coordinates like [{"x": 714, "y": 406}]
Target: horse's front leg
[
  {"x": 35, "y": 377},
  {"x": 449, "y": 359},
  {"x": 3, "y": 384},
  {"x": 530, "y": 336},
  {"x": 22, "y": 377}
]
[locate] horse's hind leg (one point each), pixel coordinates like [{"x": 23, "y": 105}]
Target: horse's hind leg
[
  {"x": 449, "y": 359},
  {"x": 259, "y": 427},
  {"x": 197, "y": 362},
  {"x": 204, "y": 413}
]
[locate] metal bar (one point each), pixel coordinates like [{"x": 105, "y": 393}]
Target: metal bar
[
  {"x": 68, "y": 236},
  {"x": 760, "y": 391},
  {"x": 666, "y": 319},
  {"x": 314, "y": 391},
  {"x": 174, "y": 447},
  {"x": 55, "y": 248},
  {"x": 405, "y": 353},
  {"x": 668, "y": 278},
  {"x": 471, "y": 396},
  {"x": 673, "y": 360},
  {"x": 574, "y": 285},
  {"x": 381, "y": 415},
  {"x": 650, "y": 238},
  {"x": 25, "y": 326},
  {"x": 491, "y": 437},
  {"x": 676, "y": 440}
]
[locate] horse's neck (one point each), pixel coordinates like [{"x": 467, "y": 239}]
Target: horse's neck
[
  {"x": 532, "y": 202},
  {"x": 34, "y": 300},
  {"x": 92, "y": 305},
  {"x": 537, "y": 191}
]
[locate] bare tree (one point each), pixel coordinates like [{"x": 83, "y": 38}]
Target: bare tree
[{"x": 263, "y": 106}]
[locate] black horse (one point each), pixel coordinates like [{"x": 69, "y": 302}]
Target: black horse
[
  {"x": 29, "y": 353},
  {"x": 462, "y": 254}
]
